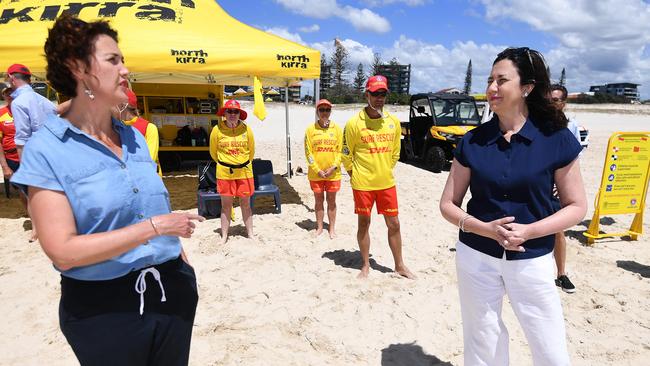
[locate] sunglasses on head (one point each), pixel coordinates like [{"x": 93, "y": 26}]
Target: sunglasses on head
[
  {"x": 527, "y": 52},
  {"x": 377, "y": 93},
  {"x": 324, "y": 109},
  {"x": 232, "y": 111}
]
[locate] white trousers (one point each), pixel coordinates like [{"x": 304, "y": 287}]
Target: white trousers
[{"x": 529, "y": 283}]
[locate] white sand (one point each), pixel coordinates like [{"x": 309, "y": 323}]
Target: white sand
[{"x": 294, "y": 300}]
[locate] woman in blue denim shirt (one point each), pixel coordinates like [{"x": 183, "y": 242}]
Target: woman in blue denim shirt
[
  {"x": 103, "y": 214},
  {"x": 506, "y": 237}
]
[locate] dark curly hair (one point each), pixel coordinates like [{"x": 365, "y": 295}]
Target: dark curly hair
[
  {"x": 71, "y": 39},
  {"x": 531, "y": 68}
]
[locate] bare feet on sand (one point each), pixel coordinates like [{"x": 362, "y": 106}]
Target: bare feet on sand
[
  {"x": 317, "y": 233},
  {"x": 364, "y": 272},
  {"x": 404, "y": 272},
  {"x": 223, "y": 240},
  {"x": 33, "y": 237},
  {"x": 332, "y": 234}
]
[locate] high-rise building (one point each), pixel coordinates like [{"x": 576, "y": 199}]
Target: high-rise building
[
  {"x": 399, "y": 77},
  {"x": 325, "y": 77},
  {"x": 627, "y": 90}
]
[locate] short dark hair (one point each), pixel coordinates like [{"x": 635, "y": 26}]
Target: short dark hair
[
  {"x": 531, "y": 68},
  {"x": 561, "y": 88},
  {"x": 21, "y": 76},
  {"x": 4, "y": 89},
  {"x": 68, "y": 40}
]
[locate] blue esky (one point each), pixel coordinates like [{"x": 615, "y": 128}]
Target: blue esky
[{"x": 597, "y": 41}]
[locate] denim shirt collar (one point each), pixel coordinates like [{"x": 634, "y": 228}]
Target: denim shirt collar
[{"x": 58, "y": 126}]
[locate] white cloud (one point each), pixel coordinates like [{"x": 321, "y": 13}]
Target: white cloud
[
  {"x": 599, "y": 41},
  {"x": 433, "y": 66},
  {"x": 357, "y": 52},
  {"x": 360, "y": 19},
  {"x": 286, "y": 34},
  {"x": 376, "y": 3},
  {"x": 311, "y": 29}
]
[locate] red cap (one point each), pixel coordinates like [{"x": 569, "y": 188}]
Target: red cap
[
  {"x": 377, "y": 82},
  {"x": 133, "y": 99},
  {"x": 18, "y": 68},
  {"x": 324, "y": 101},
  {"x": 232, "y": 104}
]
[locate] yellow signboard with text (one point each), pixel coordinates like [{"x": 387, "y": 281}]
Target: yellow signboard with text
[{"x": 624, "y": 183}]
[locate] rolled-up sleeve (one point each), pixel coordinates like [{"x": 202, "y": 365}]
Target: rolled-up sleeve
[{"x": 21, "y": 122}]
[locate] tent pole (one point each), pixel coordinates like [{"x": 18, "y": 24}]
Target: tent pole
[
  {"x": 316, "y": 95},
  {"x": 286, "y": 108}
]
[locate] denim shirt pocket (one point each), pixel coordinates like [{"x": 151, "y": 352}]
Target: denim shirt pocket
[
  {"x": 157, "y": 197},
  {"x": 96, "y": 191}
]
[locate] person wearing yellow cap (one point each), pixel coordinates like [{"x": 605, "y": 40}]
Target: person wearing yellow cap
[
  {"x": 323, "y": 143},
  {"x": 371, "y": 146},
  {"x": 232, "y": 146},
  {"x": 131, "y": 117}
]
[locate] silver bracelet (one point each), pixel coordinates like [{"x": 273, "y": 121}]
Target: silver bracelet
[
  {"x": 155, "y": 229},
  {"x": 461, "y": 223}
]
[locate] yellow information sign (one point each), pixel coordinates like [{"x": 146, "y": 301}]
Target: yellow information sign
[{"x": 624, "y": 183}]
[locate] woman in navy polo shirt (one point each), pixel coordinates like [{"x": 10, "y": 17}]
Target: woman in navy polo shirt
[
  {"x": 103, "y": 214},
  {"x": 506, "y": 237}
]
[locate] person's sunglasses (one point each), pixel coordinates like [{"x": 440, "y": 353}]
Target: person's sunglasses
[
  {"x": 556, "y": 100},
  {"x": 527, "y": 52},
  {"x": 378, "y": 93},
  {"x": 232, "y": 111},
  {"x": 325, "y": 110}
]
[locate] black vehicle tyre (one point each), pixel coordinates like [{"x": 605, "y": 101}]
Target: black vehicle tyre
[
  {"x": 402, "y": 152},
  {"x": 435, "y": 159}
]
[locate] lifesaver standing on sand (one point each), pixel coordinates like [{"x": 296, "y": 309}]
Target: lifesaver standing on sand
[
  {"x": 323, "y": 144},
  {"x": 371, "y": 147},
  {"x": 232, "y": 146}
]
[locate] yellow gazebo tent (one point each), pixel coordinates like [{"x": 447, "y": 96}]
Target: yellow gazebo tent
[{"x": 165, "y": 41}]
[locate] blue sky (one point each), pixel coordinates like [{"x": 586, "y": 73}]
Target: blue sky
[{"x": 597, "y": 41}]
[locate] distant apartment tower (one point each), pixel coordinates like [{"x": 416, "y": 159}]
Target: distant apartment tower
[
  {"x": 294, "y": 94},
  {"x": 325, "y": 77},
  {"x": 399, "y": 77},
  {"x": 627, "y": 90}
]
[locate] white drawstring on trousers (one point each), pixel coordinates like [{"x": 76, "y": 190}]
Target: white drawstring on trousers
[{"x": 141, "y": 285}]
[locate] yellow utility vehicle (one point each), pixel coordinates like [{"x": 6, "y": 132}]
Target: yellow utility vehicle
[{"x": 437, "y": 122}]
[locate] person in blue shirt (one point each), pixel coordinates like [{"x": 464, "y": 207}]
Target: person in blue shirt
[
  {"x": 103, "y": 213},
  {"x": 29, "y": 109},
  {"x": 510, "y": 165}
]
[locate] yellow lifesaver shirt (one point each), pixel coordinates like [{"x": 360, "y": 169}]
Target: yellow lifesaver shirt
[
  {"x": 323, "y": 150},
  {"x": 370, "y": 150},
  {"x": 232, "y": 146}
]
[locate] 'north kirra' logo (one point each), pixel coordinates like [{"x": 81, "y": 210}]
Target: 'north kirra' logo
[
  {"x": 293, "y": 62},
  {"x": 154, "y": 10},
  {"x": 189, "y": 56}
]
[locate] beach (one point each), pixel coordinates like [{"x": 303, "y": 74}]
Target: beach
[{"x": 287, "y": 298}]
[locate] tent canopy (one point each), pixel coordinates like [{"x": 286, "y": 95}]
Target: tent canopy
[{"x": 164, "y": 41}]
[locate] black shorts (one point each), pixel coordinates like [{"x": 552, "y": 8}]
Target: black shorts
[
  {"x": 14, "y": 165},
  {"x": 101, "y": 319}
]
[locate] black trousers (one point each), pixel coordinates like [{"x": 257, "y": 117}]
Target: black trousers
[{"x": 101, "y": 319}]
